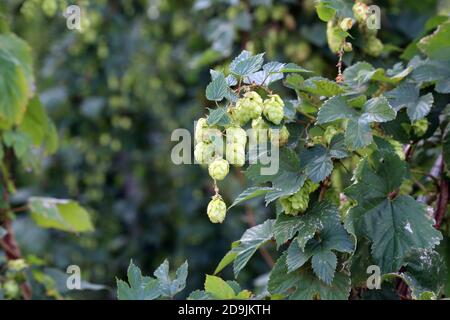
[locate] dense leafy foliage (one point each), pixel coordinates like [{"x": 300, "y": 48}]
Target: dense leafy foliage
[{"x": 364, "y": 157}]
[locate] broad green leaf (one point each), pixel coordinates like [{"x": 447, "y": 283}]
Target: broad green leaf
[
  {"x": 66, "y": 215},
  {"x": 167, "y": 286},
  {"x": 333, "y": 237},
  {"x": 227, "y": 259},
  {"x": 437, "y": 46},
  {"x": 407, "y": 96},
  {"x": 307, "y": 285},
  {"x": 424, "y": 274},
  {"x": 306, "y": 225},
  {"x": 324, "y": 12},
  {"x": 219, "y": 117},
  {"x": 293, "y": 68},
  {"x": 218, "y": 288},
  {"x": 246, "y": 64},
  {"x": 250, "y": 193},
  {"x": 14, "y": 91},
  {"x": 251, "y": 240},
  {"x": 39, "y": 127},
  {"x": 322, "y": 87},
  {"x": 358, "y": 134},
  {"x": 335, "y": 108},
  {"x": 217, "y": 89},
  {"x": 394, "y": 226},
  {"x": 139, "y": 287},
  {"x": 317, "y": 160},
  {"x": 287, "y": 181},
  {"x": 378, "y": 109},
  {"x": 200, "y": 295},
  {"x": 324, "y": 265},
  {"x": 433, "y": 71},
  {"x": 310, "y": 287}
]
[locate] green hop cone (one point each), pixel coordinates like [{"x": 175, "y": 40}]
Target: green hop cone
[
  {"x": 347, "y": 47},
  {"x": 217, "y": 210},
  {"x": 236, "y": 135},
  {"x": 247, "y": 108},
  {"x": 204, "y": 152},
  {"x": 218, "y": 169},
  {"x": 200, "y": 129},
  {"x": 260, "y": 130},
  {"x": 374, "y": 46},
  {"x": 281, "y": 137},
  {"x": 204, "y": 133},
  {"x": 298, "y": 202},
  {"x": 346, "y": 24},
  {"x": 420, "y": 127},
  {"x": 235, "y": 154},
  {"x": 360, "y": 10},
  {"x": 274, "y": 109},
  {"x": 335, "y": 36}
]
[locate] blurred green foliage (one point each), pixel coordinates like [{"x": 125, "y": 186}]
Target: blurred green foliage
[{"x": 118, "y": 88}]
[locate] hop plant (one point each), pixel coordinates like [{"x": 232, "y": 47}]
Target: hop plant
[
  {"x": 360, "y": 10},
  {"x": 204, "y": 152},
  {"x": 346, "y": 24},
  {"x": 236, "y": 135},
  {"x": 235, "y": 154},
  {"x": 247, "y": 108},
  {"x": 260, "y": 130},
  {"x": 347, "y": 47},
  {"x": 217, "y": 209},
  {"x": 298, "y": 202},
  {"x": 205, "y": 133},
  {"x": 218, "y": 169},
  {"x": 283, "y": 136},
  {"x": 273, "y": 109}
]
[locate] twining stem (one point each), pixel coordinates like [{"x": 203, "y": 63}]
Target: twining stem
[{"x": 9, "y": 243}]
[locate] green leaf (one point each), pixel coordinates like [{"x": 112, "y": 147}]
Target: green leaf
[
  {"x": 167, "y": 287},
  {"x": 324, "y": 12},
  {"x": 433, "y": 71},
  {"x": 424, "y": 274},
  {"x": 37, "y": 125},
  {"x": 436, "y": 46},
  {"x": 251, "y": 240},
  {"x": 407, "y": 96},
  {"x": 218, "y": 116},
  {"x": 324, "y": 265},
  {"x": 66, "y": 215},
  {"x": 250, "y": 193},
  {"x": 310, "y": 287},
  {"x": 218, "y": 288},
  {"x": 288, "y": 179},
  {"x": 227, "y": 259},
  {"x": 378, "y": 109},
  {"x": 395, "y": 226},
  {"x": 335, "y": 108},
  {"x": 293, "y": 68},
  {"x": 306, "y": 225},
  {"x": 217, "y": 89},
  {"x": 358, "y": 134},
  {"x": 307, "y": 285},
  {"x": 139, "y": 288},
  {"x": 200, "y": 295},
  {"x": 322, "y": 87},
  {"x": 246, "y": 64}
]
